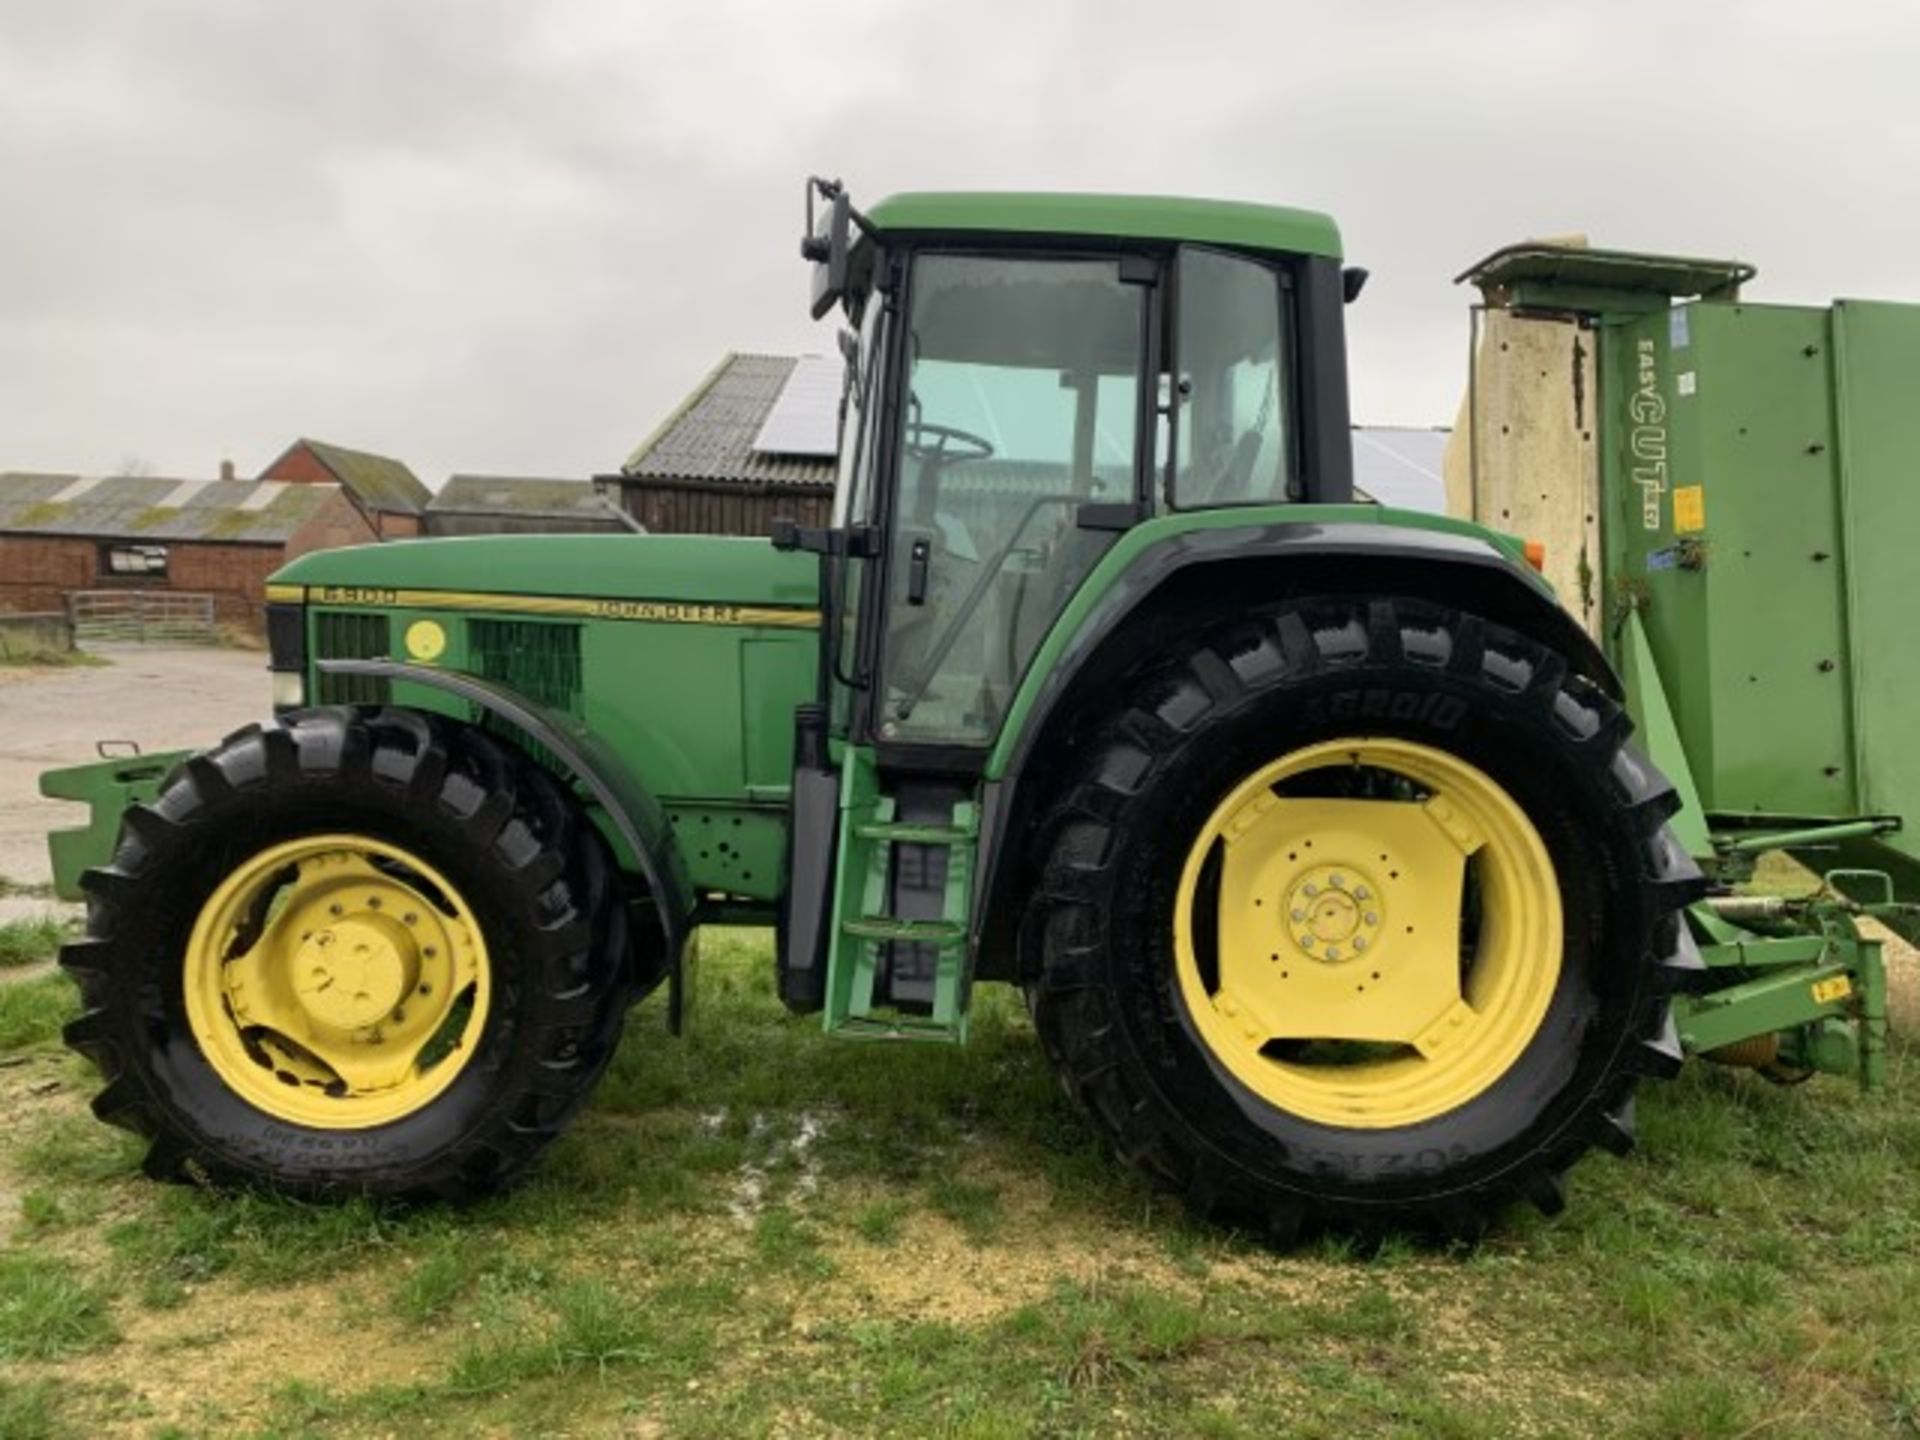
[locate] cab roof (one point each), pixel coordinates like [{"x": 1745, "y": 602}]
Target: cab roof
[{"x": 1129, "y": 217}]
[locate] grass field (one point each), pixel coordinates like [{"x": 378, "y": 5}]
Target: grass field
[{"x": 756, "y": 1231}]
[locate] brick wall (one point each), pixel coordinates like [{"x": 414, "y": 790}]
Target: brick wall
[
  {"x": 38, "y": 571},
  {"x": 338, "y": 522},
  {"x": 299, "y": 466},
  {"x": 397, "y": 527}
]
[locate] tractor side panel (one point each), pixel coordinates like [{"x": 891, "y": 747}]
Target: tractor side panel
[{"x": 1878, "y": 356}]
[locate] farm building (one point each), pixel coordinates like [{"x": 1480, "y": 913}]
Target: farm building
[
  {"x": 63, "y": 536},
  {"x": 505, "y": 505},
  {"x": 753, "y": 443},
  {"x": 390, "y": 495}
]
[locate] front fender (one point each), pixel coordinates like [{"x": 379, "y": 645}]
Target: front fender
[{"x": 636, "y": 816}]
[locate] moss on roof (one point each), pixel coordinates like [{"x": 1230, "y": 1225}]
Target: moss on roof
[
  {"x": 518, "y": 495},
  {"x": 154, "y": 509},
  {"x": 376, "y": 481}
]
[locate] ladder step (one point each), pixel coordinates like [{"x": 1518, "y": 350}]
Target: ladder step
[
  {"x": 906, "y": 1027},
  {"x": 906, "y": 833},
  {"x": 930, "y": 932}
]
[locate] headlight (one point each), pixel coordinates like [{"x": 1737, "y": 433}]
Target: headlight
[{"x": 289, "y": 689}]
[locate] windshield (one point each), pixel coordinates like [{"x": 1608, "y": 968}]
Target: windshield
[{"x": 1022, "y": 402}]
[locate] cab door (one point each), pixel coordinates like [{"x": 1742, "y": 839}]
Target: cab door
[{"x": 1017, "y": 444}]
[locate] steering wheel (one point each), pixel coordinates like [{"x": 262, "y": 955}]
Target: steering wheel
[{"x": 945, "y": 444}]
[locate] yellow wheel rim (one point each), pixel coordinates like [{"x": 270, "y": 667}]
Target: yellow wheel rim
[
  {"x": 1375, "y": 961},
  {"x": 336, "y": 981}
]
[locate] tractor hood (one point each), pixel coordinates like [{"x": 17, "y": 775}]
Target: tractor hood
[{"x": 695, "y": 568}]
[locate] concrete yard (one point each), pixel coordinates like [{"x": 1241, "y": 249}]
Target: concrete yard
[{"x": 160, "y": 699}]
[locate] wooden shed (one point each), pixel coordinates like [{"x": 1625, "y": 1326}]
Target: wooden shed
[{"x": 753, "y": 443}]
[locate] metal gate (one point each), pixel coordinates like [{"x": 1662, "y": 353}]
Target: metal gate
[{"x": 140, "y": 617}]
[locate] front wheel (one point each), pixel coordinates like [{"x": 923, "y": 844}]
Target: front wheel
[
  {"x": 1363, "y": 913},
  {"x": 353, "y": 952}
]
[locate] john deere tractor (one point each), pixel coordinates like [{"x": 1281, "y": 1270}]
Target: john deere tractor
[{"x": 1312, "y": 830}]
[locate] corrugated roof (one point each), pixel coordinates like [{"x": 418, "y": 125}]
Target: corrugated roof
[
  {"x": 1401, "y": 466},
  {"x": 710, "y": 437},
  {"x": 260, "y": 512},
  {"x": 524, "y": 496},
  {"x": 379, "y": 483}
]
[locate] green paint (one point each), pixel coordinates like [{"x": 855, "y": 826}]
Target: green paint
[
  {"x": 107, "y": 788},
  {"x": 1125, "y": 217},
  {"x": 861, "y": 924},
  {"x": 1653, "y": 722},
  {"x": 703, "y": 568}
]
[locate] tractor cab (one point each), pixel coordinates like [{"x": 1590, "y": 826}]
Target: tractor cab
[{"x": 1028, "y": 377}]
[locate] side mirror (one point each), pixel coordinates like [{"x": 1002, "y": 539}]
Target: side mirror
[{"x": 828, "y": 241}]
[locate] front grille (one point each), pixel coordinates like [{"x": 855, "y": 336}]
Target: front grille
[
  {"x": 340, "y": 635},
  {"x": 535, "y": 659}
]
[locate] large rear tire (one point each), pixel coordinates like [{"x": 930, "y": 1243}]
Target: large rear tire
[
  {"x": 1363, "y": 913},
  {"x": 352, "y": 952}
]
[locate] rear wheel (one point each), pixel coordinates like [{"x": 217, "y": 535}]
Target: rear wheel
[
  {"x": 353, "y": 952},
  {"x": 1364, "y": 913}
]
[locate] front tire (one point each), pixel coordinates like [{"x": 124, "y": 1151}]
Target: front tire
[
  {"x": 1433, "y": 1013},
  {"x": 369, "y": 952}
]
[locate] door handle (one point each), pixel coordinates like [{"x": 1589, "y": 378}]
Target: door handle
[{"x": 917, "y": 572}]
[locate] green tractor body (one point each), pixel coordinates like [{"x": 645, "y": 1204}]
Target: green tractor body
[{"x": 1312, "y": 829}]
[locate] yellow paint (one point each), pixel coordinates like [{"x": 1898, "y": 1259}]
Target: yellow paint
[
  {"x": 1834, "y": 987},
  {"x": 336, "y": 982},
  {"x": 1689, "y": 509},
  {"x": 1340, "y": 920},
  {"x": 426, "y": 640},
  {"x": 654, "y": 612},
  {"x": 286, "y": 594}
]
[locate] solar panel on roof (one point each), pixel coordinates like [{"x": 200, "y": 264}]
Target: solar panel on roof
[
  {"x": 1401, "y": 467},
  {"x": 805, "y": 418}
]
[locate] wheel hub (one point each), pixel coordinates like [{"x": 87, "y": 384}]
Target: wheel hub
[
  {"x": 352, "y": 974},
  {"x": 336, "y": 981},
  {"x": 1334, "y": 913},
  {"x": 1343, "y": 980}
]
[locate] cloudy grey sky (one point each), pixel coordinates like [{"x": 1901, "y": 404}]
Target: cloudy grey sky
[{"x": 494, "y": 236}]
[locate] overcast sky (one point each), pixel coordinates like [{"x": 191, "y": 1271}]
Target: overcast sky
[{"x": 507, "y": 237}]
